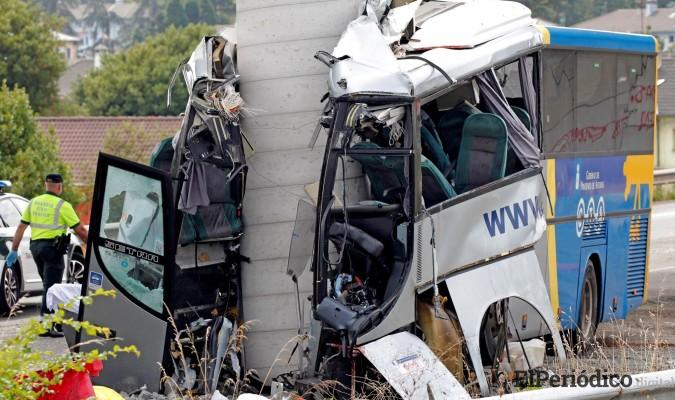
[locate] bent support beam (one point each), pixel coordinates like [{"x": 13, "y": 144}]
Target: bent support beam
[{"x": 473, "y": 291}]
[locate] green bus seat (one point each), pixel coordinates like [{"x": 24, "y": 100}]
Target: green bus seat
[{"x": 482, "y": 153}]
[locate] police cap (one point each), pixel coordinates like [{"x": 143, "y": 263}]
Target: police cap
[{"x": 54, "y": 178}]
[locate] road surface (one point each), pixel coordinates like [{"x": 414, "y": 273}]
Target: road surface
[{"x": 662, "y": 276}]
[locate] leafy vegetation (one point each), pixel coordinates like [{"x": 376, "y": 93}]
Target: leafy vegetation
[
  {"x": 156, "y": 16},
  {"x": 152, "y": 16},
  {"x": 28, "y": 374},
  {"x": 27, "y": 154},
  {"x": 134, "y": 81},
  {"x": 664, "y": 192},
  {"x": 28, "y": 51}
]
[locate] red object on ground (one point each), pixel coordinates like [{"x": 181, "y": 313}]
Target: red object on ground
[{"x": 75, "y": 385}]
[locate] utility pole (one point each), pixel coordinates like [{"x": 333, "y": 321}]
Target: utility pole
[
  {"x": 643, "y": 4},
  {"x": 283, "y": 83}
]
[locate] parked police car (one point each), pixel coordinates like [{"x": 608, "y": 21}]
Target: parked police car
[{"x": 23, "y": 278}]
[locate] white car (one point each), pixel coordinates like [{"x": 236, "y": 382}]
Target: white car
[{"x": 23, "y": 278}]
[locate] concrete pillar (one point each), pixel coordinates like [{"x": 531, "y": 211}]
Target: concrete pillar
[{"x": 284, "y": 83}]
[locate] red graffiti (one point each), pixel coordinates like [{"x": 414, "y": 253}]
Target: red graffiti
[
  {"x": 642, "y": 93},
  {"x": 590, "y": 133},
  {"x": 646, "y": 120}
]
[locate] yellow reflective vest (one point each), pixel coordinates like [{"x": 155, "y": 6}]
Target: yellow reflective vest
[{"x": 49, "y": 217}]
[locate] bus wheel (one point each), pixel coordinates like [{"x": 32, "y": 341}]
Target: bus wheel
[{"x": 588, "y": 308}]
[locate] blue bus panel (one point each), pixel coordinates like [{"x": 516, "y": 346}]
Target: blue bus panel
[
  {"x": 602, "y": 213},
  {"x": 601, "y": 40}
]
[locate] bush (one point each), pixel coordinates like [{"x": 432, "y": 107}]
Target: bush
[
  {"x": 26, "y": 154},
  {"x": 28, "y": 374}
]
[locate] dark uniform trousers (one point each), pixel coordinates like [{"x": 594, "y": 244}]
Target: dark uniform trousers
[{"x": 50, "y": 266}]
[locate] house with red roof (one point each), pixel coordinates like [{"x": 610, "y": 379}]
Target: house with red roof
[{"x": 82, "y": 138}]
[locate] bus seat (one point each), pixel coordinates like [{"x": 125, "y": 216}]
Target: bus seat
[
  {"x": 524, "y": 117},
  {"x": 435, "y": 187},
  {"x": 355, "y": 237},
  {"x": 428, "y": 122},
  {"x": 433, "y": 150},
  {"x": 482, "y": 153},
  {"x": 384, "y": 173},
  {"x": 450, "y": 128}
]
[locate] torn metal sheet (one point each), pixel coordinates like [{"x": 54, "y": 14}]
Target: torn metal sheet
[
  {"x": 213, "y": 59},
  {"x": 471, "y": 24},
  {"x": 376, "y": 9},
  {"x": 487, "y": 30},
  {"x": 397, "y": 20},
  {"x": 475, "y": 290},
  {"x": 209, "y": 154},
  {"x": 368, "y": 65},
  {"x": 412, "y": 369},
  {"x": 461, "y": 64}
]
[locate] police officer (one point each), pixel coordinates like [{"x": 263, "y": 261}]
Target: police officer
[{"x": 49, "y": 217}]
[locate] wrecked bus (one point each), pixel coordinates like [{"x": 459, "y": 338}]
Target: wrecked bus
[
  {"x": 166, "y": 238},
  {"x": 452, "y": 141}
]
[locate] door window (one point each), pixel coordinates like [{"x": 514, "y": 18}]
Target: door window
[
  {"x": 132, "y": 229},
  {"x": 10, "y": 215}
]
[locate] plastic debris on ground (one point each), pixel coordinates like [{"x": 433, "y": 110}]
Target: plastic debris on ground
[
  {"x": 64, "y": 293},
  {"x": 532, "y": 358}
]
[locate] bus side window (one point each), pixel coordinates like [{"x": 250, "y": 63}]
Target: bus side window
[
  {"x": 596, "y": 102},
  {"x": 558, "y": 90},
  {"x": 635, "y": 101},
  {"x": 595, "y": 108}
]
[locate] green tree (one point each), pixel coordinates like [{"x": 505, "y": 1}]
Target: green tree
[
  {"x": 28, "y": 51},
  {"x": 192, "y": 12},
  {"x": 134, "y": 81},
  {"x": 57, "y": 7},
  {"x": 209, "y": 15},
  {"x": 98, "y": 16},
  {"x": 147, "y": 21},
  {"x": 175, "y": 14},
  {"x": 27, "y": 154}
]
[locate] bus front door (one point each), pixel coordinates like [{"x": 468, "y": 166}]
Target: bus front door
[{"x": 129, "y": 251}]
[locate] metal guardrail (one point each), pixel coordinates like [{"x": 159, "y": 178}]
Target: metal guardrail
[
  {"x": 662, "y": 176},
  {"x": 654, "y": 386}
]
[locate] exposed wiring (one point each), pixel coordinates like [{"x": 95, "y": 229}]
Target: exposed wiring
[{"x": 431, "y": 64}]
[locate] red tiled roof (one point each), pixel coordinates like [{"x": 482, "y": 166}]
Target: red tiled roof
[{"x": 82, "y": 138}]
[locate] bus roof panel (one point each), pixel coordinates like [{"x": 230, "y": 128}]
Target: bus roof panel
[
  {"x": 601, "y": 40},
  {"x": 462, "y": 64}
]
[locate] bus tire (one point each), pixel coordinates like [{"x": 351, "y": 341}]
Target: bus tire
[{"x": 588, "y": 308}]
